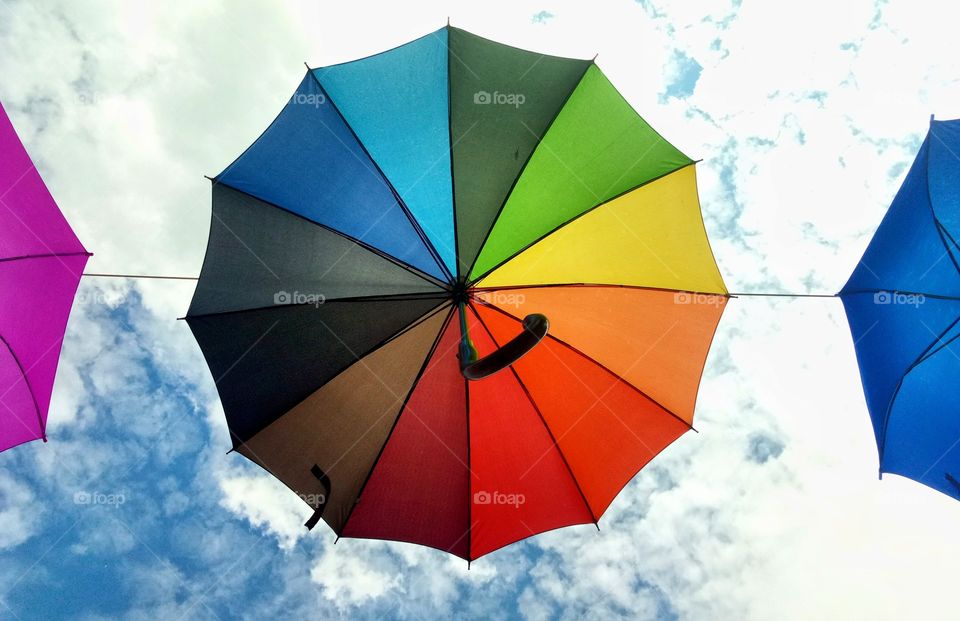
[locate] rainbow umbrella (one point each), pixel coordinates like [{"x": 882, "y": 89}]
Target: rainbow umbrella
[
  {"x": 457, "y": 294},
  {"x": 41, "y": 261},
  {"x": 903, "y": 305}
]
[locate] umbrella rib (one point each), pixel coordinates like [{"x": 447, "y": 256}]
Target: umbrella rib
[
  {"x": 730, "y": 294},
  {"x": 399, "y": 297},
  {"x": 26, "y": 380},
  {"x": 543, "y": 421},
  {"x": 937, "y": 350},
  {"x": 46, "y": 255},
  {"x": 944, "y": 235},
  {"x": 896, "y": 391},
  {"x": 466, "y": 401},
  {"x": 358, "y": 358},
  {"x": 602, "y": 366},
  {"x": 933, "y": 296},
  {"x": 933, "y": 212},
  {"x": 453, "y": 182},
  {"x": 947, "y": 233},
  {"x": 615, "y": 286},
  {"x": 30, "y": 230},
  {"x": 396, "y": 421},
  {"x": 434, "y": 254},
  {"x": 575, "y": 218},
  {"x": 523, "y": 168},
  {"x": 398, "y": 262}
]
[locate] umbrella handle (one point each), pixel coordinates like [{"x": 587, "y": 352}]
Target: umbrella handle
[{"x": 535, "y": 327}]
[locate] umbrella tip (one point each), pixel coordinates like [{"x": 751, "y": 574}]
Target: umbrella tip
[
  {"x": 307, "y": 66},
  {"x": 931, "y": 118},
  {"x": 448, "y": 21}
]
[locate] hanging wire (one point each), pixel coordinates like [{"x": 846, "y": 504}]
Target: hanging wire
[
  {"x": 148, "y": 276},
  {"x": 783, "y": 295},
  {"x": 738, "y": 294}
]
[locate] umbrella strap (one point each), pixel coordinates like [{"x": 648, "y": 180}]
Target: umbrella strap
[
  {"x": 952, "y": 481},
  {"x": 318, "y": 512}
]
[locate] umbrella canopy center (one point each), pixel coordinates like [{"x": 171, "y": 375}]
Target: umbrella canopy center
[{"x": 460, "y": 293}]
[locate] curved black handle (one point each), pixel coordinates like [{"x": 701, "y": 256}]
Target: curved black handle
[{"x": 535, "y": 327}]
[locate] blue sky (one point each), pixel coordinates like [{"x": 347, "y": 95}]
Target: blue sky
[{"x": 805, "y": 116}]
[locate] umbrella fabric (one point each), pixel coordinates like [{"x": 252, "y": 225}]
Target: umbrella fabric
[
  {"x": 450, "y": 183},
  {"x": 41, "y": 261},
  {"x": 903, "y": 305}
]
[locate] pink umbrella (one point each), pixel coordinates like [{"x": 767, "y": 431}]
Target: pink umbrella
[{"x": 41, "y": 261}]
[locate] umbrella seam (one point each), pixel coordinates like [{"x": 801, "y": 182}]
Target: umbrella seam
[
  {"x": 703, "y": 224},
  {"x": 398, "y": 297},
  {"x": 513, "y": 185},
  {"x": 254, "y": 458},
  {"x": 934, "y": 296},
  {"x": 466, "y": 397},
  {"x": 933, "y": 212},
  {"x": 453, "y": 182},
  {"x": 896, "y": 391},
  {"x": 580, "y": 215},
  {"x": 396, "y": 421},
  {"x": 543, "y": 420},
  {"x": 399, "y": 262},
  {"x": 612, "y": 286},
  {"x": 431, "y": 249},
  {"x": 422, "y": 318},
  {"x": 46, "y": 255},
  {"x": 602, "y": 366},
  {"x": 26, "y": 380}
]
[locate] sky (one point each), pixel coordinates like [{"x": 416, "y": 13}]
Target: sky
[{"x": 806, "y": 117}]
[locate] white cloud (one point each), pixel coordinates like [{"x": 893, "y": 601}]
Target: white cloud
[
  {"x": 17, "y": 513},
  {"x": 266, "y": 503},
  {"x": 350, "y": 580}
]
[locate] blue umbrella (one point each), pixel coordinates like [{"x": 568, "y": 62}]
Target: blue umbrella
[{"x": 903, "y": 305}]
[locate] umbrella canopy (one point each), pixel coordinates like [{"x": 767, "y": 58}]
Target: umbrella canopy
[
  {"x": 41, "y": 261},
  {"x": 410, "y": 225},
  {"x": 903, "y": 305}
]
